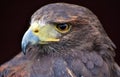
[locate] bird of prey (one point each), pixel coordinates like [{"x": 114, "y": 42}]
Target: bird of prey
[{"x": 64, "y": 40}]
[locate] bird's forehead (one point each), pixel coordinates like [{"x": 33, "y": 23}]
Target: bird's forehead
[{"x": 58, "y": 12}]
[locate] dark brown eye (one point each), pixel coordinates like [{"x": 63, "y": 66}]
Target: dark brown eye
[{"x": 63, "y": 28}]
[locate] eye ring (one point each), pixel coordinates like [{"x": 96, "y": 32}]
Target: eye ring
[{"x": 63, "y": 28}]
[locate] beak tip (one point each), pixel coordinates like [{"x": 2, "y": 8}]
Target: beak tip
[
  {"x": 24, "y": 53},
  {"x": 24, "y": 49}
]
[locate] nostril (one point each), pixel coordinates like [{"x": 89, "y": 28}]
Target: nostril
[{"x": 36, "y": 30}]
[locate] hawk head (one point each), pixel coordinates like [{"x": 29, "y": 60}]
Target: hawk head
[{"x": 64, "y": 27}]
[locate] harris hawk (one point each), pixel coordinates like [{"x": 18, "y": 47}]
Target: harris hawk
[{"x": 64, "y": 40}]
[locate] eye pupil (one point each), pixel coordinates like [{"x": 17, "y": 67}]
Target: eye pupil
[{"x": 62, "y": 26}]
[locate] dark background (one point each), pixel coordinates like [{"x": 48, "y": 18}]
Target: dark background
[{"x": 15, "y": 17}]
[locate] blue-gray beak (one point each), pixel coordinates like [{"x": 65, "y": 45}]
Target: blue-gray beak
[{"x": 28, "y": 38}]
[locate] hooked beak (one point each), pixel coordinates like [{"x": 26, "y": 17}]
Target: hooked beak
[
  {"x": 28, "y": 38},
  {"x": 37, "y": 34}
]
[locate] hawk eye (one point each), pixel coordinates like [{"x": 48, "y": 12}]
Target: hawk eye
[{"x": 63, "y": 28}]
